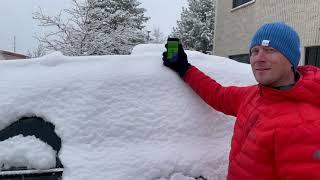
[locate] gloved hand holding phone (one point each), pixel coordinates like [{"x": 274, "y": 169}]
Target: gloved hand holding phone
[{"x": 175, "y": 58}]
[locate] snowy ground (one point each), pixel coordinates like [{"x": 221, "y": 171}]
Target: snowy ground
[{"x": 119, "y": 117}]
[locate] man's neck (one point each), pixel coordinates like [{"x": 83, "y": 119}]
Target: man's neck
[{"x": 289, "y": 86}]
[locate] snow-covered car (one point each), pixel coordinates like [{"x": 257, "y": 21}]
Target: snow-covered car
[{"x": 118, "y": 117}]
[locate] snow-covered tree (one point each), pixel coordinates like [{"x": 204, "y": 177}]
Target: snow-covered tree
[
  {"x": 157, "y": 36},
  {"x": 95, "y": 27},
  {"x": 37, "y": 52},
  {"x": 196, "y": 26}
]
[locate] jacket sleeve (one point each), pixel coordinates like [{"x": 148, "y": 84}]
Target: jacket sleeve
[
  {"x": 223, "y": 99},
  {"x": 297, "y": 152}
]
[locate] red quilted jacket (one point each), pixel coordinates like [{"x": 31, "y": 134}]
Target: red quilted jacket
[{"x": 276, "y": 134}]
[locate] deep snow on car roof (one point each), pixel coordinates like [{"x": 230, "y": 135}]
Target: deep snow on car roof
[{"x": 122, "y": 117}]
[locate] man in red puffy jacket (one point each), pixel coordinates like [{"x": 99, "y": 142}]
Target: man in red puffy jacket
[{"x": 277, "y": 131}]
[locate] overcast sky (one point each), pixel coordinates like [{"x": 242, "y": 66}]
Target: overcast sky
[{"x": 16, "y": 19}]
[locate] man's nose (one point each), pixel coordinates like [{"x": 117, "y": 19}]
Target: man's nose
[{"x": 260, "y": 56}]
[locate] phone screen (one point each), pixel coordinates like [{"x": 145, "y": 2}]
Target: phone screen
[{"x": 172, "y": 47}]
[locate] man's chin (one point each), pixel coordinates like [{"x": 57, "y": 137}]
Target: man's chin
[{"x": 263, "y": 82}]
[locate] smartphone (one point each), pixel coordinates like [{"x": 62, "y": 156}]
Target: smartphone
[{"x": 172, "y": 48}]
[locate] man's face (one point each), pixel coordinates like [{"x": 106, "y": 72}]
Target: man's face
[{"x": 270, "y": 67}]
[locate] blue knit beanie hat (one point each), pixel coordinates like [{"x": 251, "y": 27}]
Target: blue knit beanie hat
[{"x": 281, "y": 37}]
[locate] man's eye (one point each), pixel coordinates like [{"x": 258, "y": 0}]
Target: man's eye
[
  {"x": 270, "y": 50},
  {"x": 254, "y": 51}
]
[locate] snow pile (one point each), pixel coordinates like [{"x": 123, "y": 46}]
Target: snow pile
[
  {"x": 122, "y": 117},
  {"x": 26, "y": 151},
  {"x": 148, "y": 49}
]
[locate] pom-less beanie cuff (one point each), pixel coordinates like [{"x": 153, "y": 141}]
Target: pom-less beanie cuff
[{"x": 280, "y": 36}]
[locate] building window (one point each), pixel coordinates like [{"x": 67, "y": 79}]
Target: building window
[
  {"x": 237, "y": 3},
  {"x": 313, "y": 56},
  {"x": 243, "y": 58}
]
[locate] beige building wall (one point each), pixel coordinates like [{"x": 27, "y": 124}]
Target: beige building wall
[{"x": 235, "y": 27}]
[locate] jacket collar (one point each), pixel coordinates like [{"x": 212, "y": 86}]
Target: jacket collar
[{"x": 306, "y": 89}]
